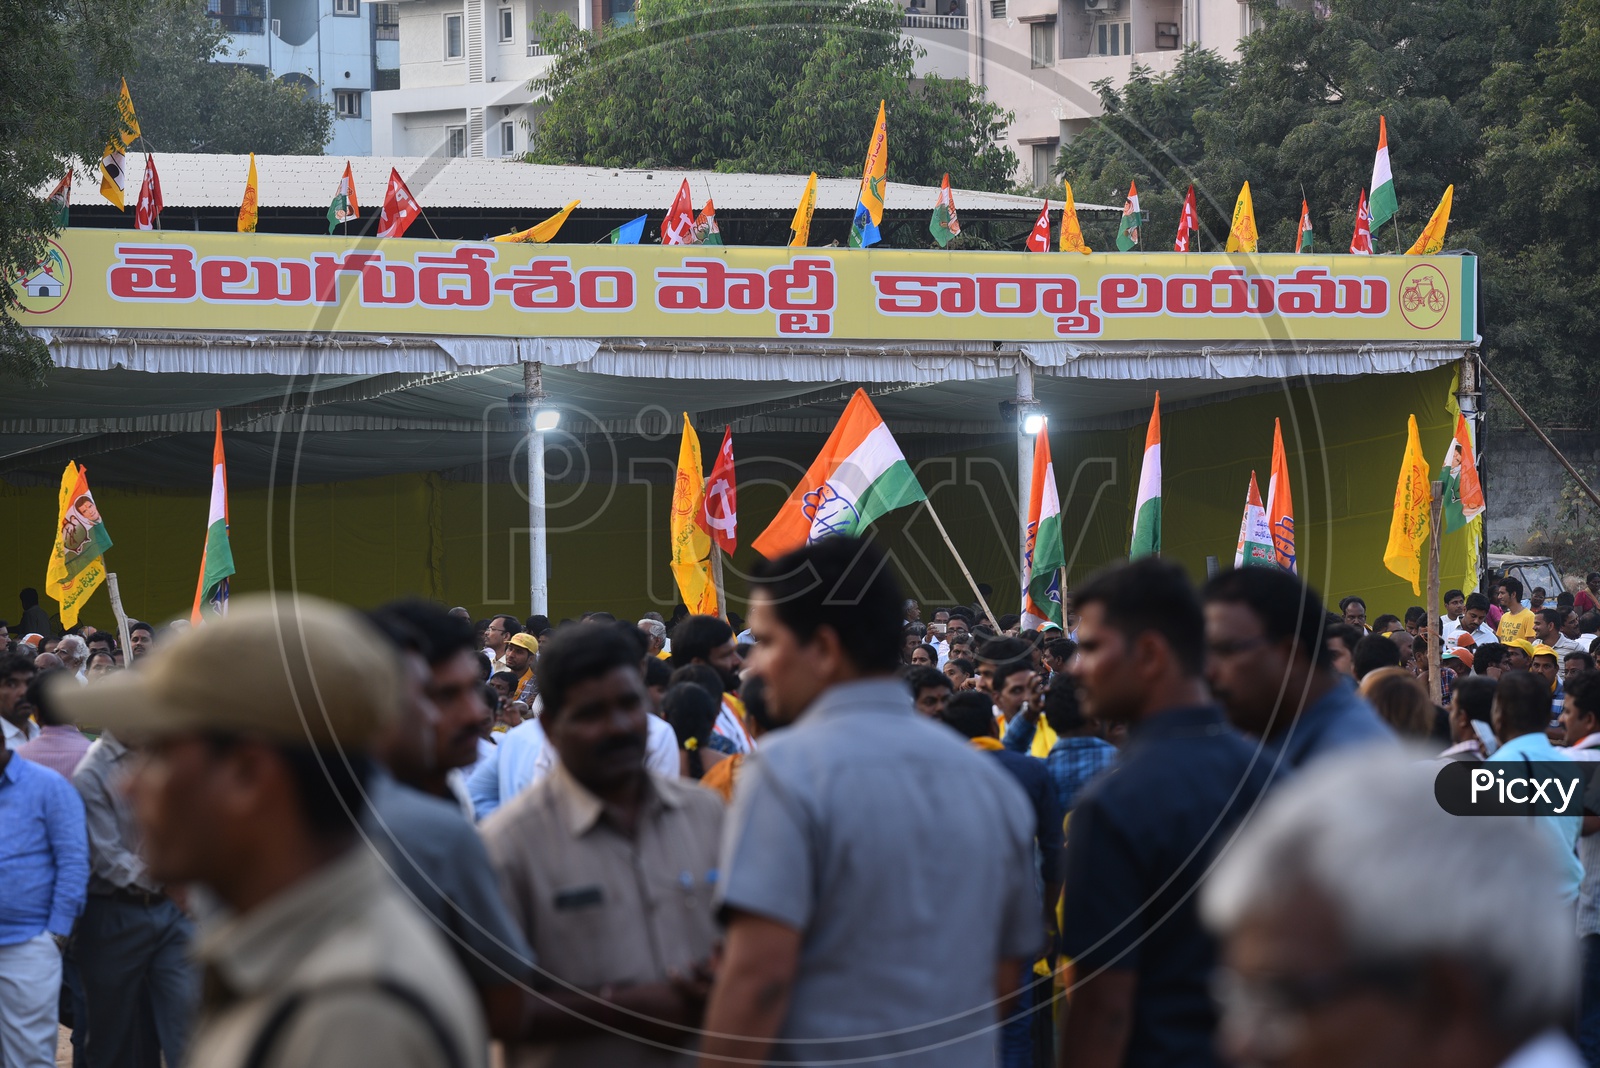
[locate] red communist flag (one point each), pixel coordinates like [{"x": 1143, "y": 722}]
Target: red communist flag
[
  {"x": 147, "y": 213},
  {"x": 1361, "y": 240},
  {"x": 1188, "y": 224},
  {"x": 1039, "y": 240},
  {"x": 400, "y": 208},
  {"x": 719, "y": 508},
  {"x": 678, "y": 227}
]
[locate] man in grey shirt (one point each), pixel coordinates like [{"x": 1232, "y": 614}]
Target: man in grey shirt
[{"x": 877, "y": 874}]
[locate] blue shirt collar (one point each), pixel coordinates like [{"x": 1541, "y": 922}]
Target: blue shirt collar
[
  {"x": 1196, "y": 719},
  {"x": 880, "y": 694}
]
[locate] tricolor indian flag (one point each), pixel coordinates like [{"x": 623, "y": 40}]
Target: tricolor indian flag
[
  {"x": 216, "y": 562},
  {"x": 1147, "y": 506},
  {"x": 860, "y": 475},
  {"x": 1381, "y": 200},
  {"x": 1255, "y": 539},
  {"x": 1044, "y": 555}
]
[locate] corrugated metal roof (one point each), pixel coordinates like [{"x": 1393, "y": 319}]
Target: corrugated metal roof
[{"x": 217, "y": 181}]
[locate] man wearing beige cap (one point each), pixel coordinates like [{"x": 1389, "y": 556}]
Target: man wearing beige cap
[
  {"x": 254, "y": 731},
  {"x": 520, "y": 652}
]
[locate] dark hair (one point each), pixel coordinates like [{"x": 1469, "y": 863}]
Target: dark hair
[
  {"x": 29, "y": 597},
  {"x": 1584, "y": 689},
  {"x": 491, "y": 698},
  {"x": 1003, "y": 673},
  {"x": 101, "y": 636},
  {"x": 1589, "y": 622},
  {"x": 1344, "y": 634},
  {"x": 1061, "y": 709},
  {"x": 1286, "y": 607},
  {"x": 966, "y": 667},
  {"x": 1565, "y": 599},
  {"x": 656, "y": 672},
  {"x": 844, "y": 584},
  {"x": 509, "y": 676},
  {"x": 1512, "y": 584},
  {"x": 1553, "y": 616},
  {"x": 695, "y": 637},
  {"x": 538, "y": 626},
  {"x": 1524, "y": 702},
  {"x": 1386, "y": 622},
  {"x": 15, "y": 664},
  {"x": 962, "y": 613},
  {"x": 702, "y": 675},
  {"x": 139, "y": 624},
  {"x": 627, "y": 631},
  {"x": 509, "y": 624},
  {"x": 1006, "y": 652},
  {"x": 1486, "y": 656},
  {"x": 1581, "y": 656},
  {"x": 933, "y": 654},
  {"x": 1061, "y": 648},
  {"x": 1346, "y": 602},
  {"x": 578, "y": 655},
  {"x": 1450, "y": 595},
  {"x": 1009, "y": 620},
  {"x": 924, "y": 678},
  {"x": 1477, "y": 602},
  {"x": 1474, "y": 695},
  {"x": 443, "y": 635},
  {"x": 1374, "y": 652},
  {"x": 753, "y": 695},
  {"x": 970, "y": 714},
  {"x": 692, "y": 713},
  {"x": 87, "y": 664},
  {"x": 1151, "y": 595},
  {"x": 1416, "y": 614}
]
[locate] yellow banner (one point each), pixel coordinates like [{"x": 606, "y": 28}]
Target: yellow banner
[{"x": 174, "y": 280}]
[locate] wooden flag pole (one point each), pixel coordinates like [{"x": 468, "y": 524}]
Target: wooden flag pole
[
  {"x": 716, "y": 579},
  {"x": 1435, "y": 517},
  {"x": 123, "y": 634},
  {"x": 961, "y": 564},
  {"x": 1061, "y": 572}
]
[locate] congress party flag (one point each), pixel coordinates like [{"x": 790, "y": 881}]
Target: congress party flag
[
  {"x": 1039, "y": 238},
  {"x": 1255, "y": 539},
  {"x": 114, "y": 161},
  {"x": 1242, "y": 234},
  {"x": 719, "y": 510},
  {"x": 1128, "y": 232},
  {"x": 1044, "y": 554},
  {"x": 1071, "y": 232},
  {"x": 542, "y": 232},
  {"x": 706, "y": 231},
  {"x": 343, "y": 207},
  {"x": 1188, "y": 224},
  {"x": 1302, "y": 233},
  {"x": 944, "y": 226},
  {"x": 874, "y": 173},
  {"x": 860, "y": 475},
  {"x": 691, "y": 546},
  {"x": 147, "y": 213},
  {"x": 1361, "y": 240},
  {"x": 1280, "y": 504},
  {"x": 61, "y": 201},
  {"x": 1463, "y": 493},
  {"x": 1431, "y": 240},
  {"x": 1381, "y": 201},
  {"x": 216, "y": 559},
  {"x": 1408, "y": 527},
  {"x": 800, "y": 225},
  {"x": 400, "y": 208},
  {"x": 678, "y": 227},
  {"x": 247, "y": 207},
  {"x": 77, "y": 565},
  {"x": 1147, "y": 504}
]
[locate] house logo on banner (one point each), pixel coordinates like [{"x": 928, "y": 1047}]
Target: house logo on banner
[
  {"x": 1424, "y": 296},
  {"x": 45, "y": 288},
  {"x": 830, "y": 512}
]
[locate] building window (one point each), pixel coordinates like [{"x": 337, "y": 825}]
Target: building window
[
  {"x": 997, "y": 9},
  {"x": 618, "y": 12},
  {"x": 455, "y": 141},
  {"x": 508, "y": 138},
  {"x": 347, "y": 103},
  {"x": 1113, "y": 39},
  {"x": 386, "y": 78},
  {"x": 1044, "y": 158},
  {"x": 386, "y": 22},
  {"x": 508, "y": 26},
  {"x": 1042, "y": 38},
  {"x": 453, "y": 37},
  {"x": 347, "y": 7}
]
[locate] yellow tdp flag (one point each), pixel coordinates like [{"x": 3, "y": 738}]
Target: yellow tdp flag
[
  {"x": 691, "y": 546},
  {"x": 1071, "y": 232},
  {"x": 801, "y": 226},
  {"x": 1408, "y": 528},
  {"x": 77, "y": 562},
  {"x": 1431, "y": 239},
  {"x": 247, "y": 207},
  {"x": 1242, "y": 234},
  {"x": 874, "y": 175},
  {"x": 114, "y": 161},
  {"x": 541, "y": 233}
]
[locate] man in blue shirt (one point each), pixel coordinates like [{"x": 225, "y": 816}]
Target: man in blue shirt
[
  {"x": 1079, "y": 753},
  {"x": 1143, "y": 835},
  {"x": 1268, "y": 664},
  {"x": 44, "y": 868},
  {"x": 1521, "y": 714}
]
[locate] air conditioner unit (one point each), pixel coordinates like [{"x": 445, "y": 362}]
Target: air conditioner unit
[
  {"x": 1102, "y": 5},
  {"x": 277, "y": 27}
]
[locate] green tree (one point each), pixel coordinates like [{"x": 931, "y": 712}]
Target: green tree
[
  {"x": 189, "y": 102},
  {"x": 58, "y": 65},
  {"x": 769, "y": 86}
]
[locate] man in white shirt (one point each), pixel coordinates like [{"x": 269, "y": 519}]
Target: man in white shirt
[
  {"x": 1473, "y": 614},
  {"x": 1451, "y": 621}
]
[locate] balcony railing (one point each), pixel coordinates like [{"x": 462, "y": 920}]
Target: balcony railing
[
  {"x": 536, "y": 48},
  {"x": 935, "y": 22}
]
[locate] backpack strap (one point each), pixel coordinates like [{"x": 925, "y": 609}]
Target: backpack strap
[{"x": 285, "y": 1010}]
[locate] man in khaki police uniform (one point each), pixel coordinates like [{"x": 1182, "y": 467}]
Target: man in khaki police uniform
[{"x": 253, "y": 731}]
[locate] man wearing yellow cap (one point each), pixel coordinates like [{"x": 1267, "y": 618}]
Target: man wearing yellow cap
[
  {"x": 255, "y": 731},
  {"x": 1519, "y": 654},
  {"x": 1547, "y": 665},
  {"x": 521, "y": 649}
]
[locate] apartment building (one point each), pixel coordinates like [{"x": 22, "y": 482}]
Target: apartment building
[{"x": 341, "y": 50}]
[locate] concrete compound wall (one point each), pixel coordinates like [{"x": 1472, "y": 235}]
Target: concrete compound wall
[{"x": 1523, "y": 481}]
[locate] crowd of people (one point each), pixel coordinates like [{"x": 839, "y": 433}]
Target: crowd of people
[{"x": 1190, "y": 827}]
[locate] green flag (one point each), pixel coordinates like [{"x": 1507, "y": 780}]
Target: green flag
[{"x": 1128, "y": 232}]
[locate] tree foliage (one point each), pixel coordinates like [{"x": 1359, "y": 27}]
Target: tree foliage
[{"x": 767, "y": 86}]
